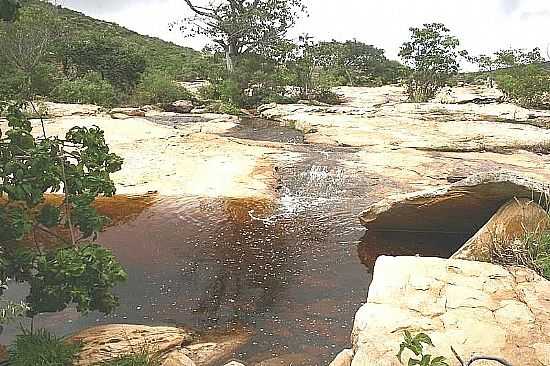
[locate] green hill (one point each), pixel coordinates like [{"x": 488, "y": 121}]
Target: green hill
[{"x": 180, "y": 61}]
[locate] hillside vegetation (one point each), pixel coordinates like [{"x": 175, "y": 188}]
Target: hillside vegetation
[{"x": 67, "y": 56}]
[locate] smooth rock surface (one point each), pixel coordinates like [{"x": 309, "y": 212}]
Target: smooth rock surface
[
  {"x": 177, "y": 358},
  {"x": 108, "y": 342},
  {"x": 344, "y": 358},
  {"x": 478, "y": 308},
  {"x": 514, "y": 220},
  {"x": 461, "y": 207},
  {"x": 131, "y": 112}
]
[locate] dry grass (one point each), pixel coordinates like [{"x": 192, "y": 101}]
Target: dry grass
[{"x": 532, "y": 251}]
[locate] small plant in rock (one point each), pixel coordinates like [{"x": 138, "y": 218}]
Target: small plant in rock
[{"x": 415, "y": 344}]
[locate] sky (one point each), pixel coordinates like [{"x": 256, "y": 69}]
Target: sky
[{"x": 483, "y": 26}]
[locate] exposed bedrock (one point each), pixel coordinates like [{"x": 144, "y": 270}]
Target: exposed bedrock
[{"x": 463, "y": 207}]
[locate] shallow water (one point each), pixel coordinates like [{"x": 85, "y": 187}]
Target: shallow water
[{"x": 292, "y": 273}]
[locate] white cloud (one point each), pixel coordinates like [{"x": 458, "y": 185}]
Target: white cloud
[{"x": 482, "y": 26}]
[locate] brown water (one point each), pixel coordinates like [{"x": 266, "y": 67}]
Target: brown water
[{"x": 293, "y": 273}]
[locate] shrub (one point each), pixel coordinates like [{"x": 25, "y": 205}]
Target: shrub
[
  {"x": 529, "y": 85},
  {"x": 432, "y": 56},
  {"x": 157, "y": 87},
  {"x": 41, "y": 348},
  {"x": 140, "y": 358},
  {"x": 91, "y": 88},
  {"x": 531, "y": 251},
  {"x": 45, "y": 78}
]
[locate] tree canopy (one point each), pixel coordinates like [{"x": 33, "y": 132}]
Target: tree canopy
[
  {"x": 433, "y": 56},
  {"x": 239, "y": 26}
]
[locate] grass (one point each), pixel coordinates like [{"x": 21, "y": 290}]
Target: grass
[
  {"x": 41, "y": 348},
  {"x": 142, "y": 357},
  {"x": 531, "y": 251}
]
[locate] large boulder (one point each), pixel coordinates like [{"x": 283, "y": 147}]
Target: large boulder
[
  {"x": 463, "y": 207},
  {"x": 514, "y": 220},
  {"x": 176, "y": 346},
  {"x": 179, "y": 106},
  {"x": 108, "y": 342},
  {"x": 475, "y": 307}
]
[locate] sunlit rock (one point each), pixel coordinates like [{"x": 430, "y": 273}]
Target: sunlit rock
[{"x": 477, "y": 308}]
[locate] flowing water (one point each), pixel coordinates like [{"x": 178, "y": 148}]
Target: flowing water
[{"x": 292, "y": 273}]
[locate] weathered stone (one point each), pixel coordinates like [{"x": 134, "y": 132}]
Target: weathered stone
[
  {"x": 512, "y": 221},
  {"x": 57, "y": 110},
  {"x": 177, "y": 358},
  {"x": 120, "y": 116},
  {"x": 213, "y": 350},
  {"x": 487, "y": 310},
  {"x": 107, "y": 342},
  {"x": 234, "y": 363},
  {"x": 344, "y": 358},
  {"x": 131, "y": 112},
  {"x": 461, "y": 207},
  {"x": 180, "y": 106}
]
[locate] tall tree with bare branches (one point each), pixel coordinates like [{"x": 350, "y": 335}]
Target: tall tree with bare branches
[{"x": 241, "y": 26}]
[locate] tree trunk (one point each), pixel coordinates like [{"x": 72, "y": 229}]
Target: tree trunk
[{"x": 229, "y": 54}]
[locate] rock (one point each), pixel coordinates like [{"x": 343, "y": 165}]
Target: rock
[
  {"x": 344, "y": 358},
  {"x": 57, "y": 110},
  {"x": 475, "y": 307},
  {"x": 107, "y": 342},
  {"x": 234, "y": 363},
  {"x": 463, "y": 207},
  {"x": 180, "y": 106},
  {"x": 120, "y": 116},
  {"x": 266, "y": 107},
  {"x": 177, "y": 358},
  {"x": 512, "y": 221},
  {"x": 131, "y": 112},
  {"x": 211, "y": 350},
  {"x": 4, "y": 355}
]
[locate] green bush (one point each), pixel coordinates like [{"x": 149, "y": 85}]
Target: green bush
[
  {"x": 91, "y": 88},
  {"x": 41, "y": 348},
  {"x": 528, "y": 86},
  {"x": 45, "y": 78},
  {"x": 158, "y": 87}
]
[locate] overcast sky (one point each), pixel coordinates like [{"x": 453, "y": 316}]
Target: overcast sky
[{"x": 483, "y": 26}]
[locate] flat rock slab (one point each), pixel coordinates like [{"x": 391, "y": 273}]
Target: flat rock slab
[
  {"x": 108, "y": 342},
  {"x": 478, "y": 308},
  {"x": 463, "y": 207}
]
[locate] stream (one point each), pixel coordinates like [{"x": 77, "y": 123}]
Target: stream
[{"x": 292, "y": 273}]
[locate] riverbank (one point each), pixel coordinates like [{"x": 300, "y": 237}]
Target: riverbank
[{"x": 254, "y": 224}]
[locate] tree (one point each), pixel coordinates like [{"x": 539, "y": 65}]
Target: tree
[
  {"x": 59, "y": 270},
  {"x": 26, "y": 43},
  {"x": 356, "y": 63},
  {"x": 517, "y": 57},
  {"x": 9, "y": 9},
  {"x": 120, "y": 65},
  {"x": 432, "y": 55},
  {"x": 242, "y": 26}
]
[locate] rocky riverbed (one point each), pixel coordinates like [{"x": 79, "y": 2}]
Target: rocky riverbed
[{"x": 275, "y": 204}]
